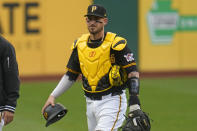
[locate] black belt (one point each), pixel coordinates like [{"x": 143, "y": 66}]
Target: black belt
[{"x": 99, "y": 96}]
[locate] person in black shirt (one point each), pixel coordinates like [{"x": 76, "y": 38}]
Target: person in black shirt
[{"x": 9, "y": 82}]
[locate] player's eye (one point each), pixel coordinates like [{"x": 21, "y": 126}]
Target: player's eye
[{"x": 96, "y": 19}]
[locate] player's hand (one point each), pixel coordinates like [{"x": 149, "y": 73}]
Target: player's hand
[
  {"x": 50, "y": 101},
  {"x": 8, "y": 117}
]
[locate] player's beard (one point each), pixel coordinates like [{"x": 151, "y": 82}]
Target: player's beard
[{"x": 95, "y": 30}]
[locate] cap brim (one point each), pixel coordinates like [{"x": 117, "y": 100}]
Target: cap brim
[{"x": 94, "y": 15}]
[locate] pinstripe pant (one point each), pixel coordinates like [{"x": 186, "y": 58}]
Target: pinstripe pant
[{"x": 106, "y": 114}]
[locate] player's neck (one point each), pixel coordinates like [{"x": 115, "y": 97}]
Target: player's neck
[{"x": 99, "y": 35}]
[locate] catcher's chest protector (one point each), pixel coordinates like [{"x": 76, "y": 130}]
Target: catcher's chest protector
[{"x": 94, "y": 62}]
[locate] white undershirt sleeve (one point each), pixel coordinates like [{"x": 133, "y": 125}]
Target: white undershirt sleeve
[{"x": 62, "y": 86}]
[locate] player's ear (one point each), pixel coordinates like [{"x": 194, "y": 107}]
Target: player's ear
[
  {"x": 86, "y": 19},
  {"x": 105, "y": 21}
]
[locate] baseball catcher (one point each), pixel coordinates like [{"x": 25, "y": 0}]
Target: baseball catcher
[{"x": 108, "y": 67}]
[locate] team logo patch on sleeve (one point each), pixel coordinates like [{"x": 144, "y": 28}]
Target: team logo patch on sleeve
[{"x": 129, "y": 57}]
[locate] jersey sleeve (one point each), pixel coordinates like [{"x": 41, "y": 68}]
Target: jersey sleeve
[
  {"x": 73, "y": 63},
  {"x": 124, "y": 58},
  {"x": 11, "y": 77}
]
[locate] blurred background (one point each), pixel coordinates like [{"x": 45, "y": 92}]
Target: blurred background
[{"x": 161, "y": 33}]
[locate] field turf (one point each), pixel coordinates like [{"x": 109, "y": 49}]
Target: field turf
[{"x": 170, "y": 102}]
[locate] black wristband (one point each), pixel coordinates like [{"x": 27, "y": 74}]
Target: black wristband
[
  {"x": 133, "y": 85},
  {"x": 134, "y": 99}
]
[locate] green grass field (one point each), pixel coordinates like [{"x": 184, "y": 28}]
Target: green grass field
[{"x": 170, "y": 102}]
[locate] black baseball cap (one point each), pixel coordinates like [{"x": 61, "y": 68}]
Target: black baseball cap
[{"x": 96, "y": 10}]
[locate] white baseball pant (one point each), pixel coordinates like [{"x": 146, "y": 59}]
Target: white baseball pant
[{"x": 106, "y": 114}]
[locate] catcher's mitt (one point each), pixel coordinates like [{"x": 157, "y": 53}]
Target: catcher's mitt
[{"x": 137, "y": 121}]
